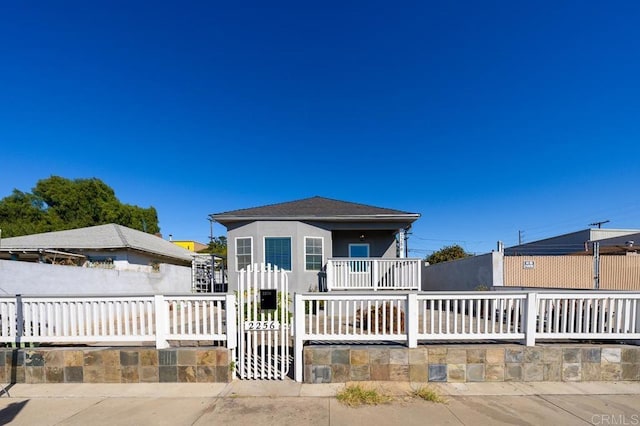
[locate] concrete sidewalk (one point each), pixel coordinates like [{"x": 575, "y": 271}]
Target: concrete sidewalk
[{"x": 290, "y": 403}]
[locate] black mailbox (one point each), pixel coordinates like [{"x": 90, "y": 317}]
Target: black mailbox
[{"x": 268, "y": 299}]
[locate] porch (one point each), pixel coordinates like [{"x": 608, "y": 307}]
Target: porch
[{"x": 373, "y": 274}]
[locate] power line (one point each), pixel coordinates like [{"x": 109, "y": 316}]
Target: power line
[
  {"x": 449, "y": 241},
  {"x": 619, "y": 214}
]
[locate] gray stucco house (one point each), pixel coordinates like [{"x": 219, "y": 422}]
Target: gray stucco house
[{"x": 308, "y": 237}]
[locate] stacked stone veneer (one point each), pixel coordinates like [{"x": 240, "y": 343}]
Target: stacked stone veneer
[
  {"x": 114, "y": 365},
  {"x": 485, "y": 363}
]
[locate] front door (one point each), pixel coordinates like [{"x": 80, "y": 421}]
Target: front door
[
  {"x": 359, "y": 265},
  {"x": 359, "y": 250}
]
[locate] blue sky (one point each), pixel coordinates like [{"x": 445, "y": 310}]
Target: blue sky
[{"x": 488, "y": 118}]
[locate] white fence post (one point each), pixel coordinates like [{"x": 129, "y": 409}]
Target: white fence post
[
  {"x": 231, "y": 321},
  {"x": 299, "y": 318},
  {"x": 637, "y": 322},
  {"x": 531, "y": 318},
  {"x": 330, "y": 276},
  {"x": 411, "y": 322},
  {"x": 374, "y": 267},
  {"x": 162, "y": 316},
  {"x": 19, "y": 319}
]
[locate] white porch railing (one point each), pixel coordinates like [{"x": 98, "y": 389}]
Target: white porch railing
[
  {"x": 464, "y": 316},
  {"x": 373, "y": 274},
  {"x": 109, "y": 319}
]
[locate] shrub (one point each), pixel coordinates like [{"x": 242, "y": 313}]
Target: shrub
[
  {"x": 356, "y": 395},
  {"x": 428, "y": 394},
  {"x": 387, "y": 312}
]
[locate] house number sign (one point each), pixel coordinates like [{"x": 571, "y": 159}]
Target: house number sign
[{"x": 261, "y": 325}]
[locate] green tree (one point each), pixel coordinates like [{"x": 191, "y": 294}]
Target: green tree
[
  {"x": 57, "y": 203},
  {"x": 447, "y": 253},
  {"x": 218, "y": 245},
  {"x": 23, "y": 213}
]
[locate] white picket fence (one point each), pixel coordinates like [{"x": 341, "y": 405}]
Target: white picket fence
[
  {"x": 118, "y": 319},
  {"x": 407, "y": 318},
  {"x": 382, "y": 316},
  {"x": 463, "y": 316}
]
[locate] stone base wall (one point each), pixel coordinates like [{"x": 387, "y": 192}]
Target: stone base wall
[
  {"x": 471, "y": 363},
  {"x": 115, "y": 365}
]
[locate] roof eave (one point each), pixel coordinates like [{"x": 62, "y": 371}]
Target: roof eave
[
  {"x": 186, "y": 258},
  {"x": 341, "y": 218}
]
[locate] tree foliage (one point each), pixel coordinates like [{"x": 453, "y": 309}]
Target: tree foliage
[
  {"x": 447, "y": 253},
  {"x": 218, "y": 245},
  {"x": 57, "y": 203}
]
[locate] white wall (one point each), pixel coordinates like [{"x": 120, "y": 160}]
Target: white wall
[
  {"x": 464, "y": 274},
  {"x": 44, "y": 279}
]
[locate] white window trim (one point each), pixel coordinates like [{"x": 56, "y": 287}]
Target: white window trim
[
  {"x": 264, "y": 248},
  {"x": 236, "y": 250},
  {"x": 304, "y": 257}
]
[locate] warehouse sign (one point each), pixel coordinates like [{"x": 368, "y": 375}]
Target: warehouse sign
[{"x": 528, "y": 264}]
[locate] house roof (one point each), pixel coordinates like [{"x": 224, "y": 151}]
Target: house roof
[
  {"x": 101, "y": 237},
  {"x": 575, "y": 242},
  {"x": 624, "y": 244},
  {"x": 319, "y": 209}
]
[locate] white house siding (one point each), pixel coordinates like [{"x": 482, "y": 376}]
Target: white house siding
[{"x": 43, "y": 279}]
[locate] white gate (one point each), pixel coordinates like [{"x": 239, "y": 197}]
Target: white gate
[{"x": 263, "y": 323}]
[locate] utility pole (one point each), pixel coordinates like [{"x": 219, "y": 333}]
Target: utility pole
[
  {"x": 406, "y": 244},
  {"x": 596, "y": 265},
  {"x": 599, "y": 224}
]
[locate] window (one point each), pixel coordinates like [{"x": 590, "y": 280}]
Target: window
[
  {"x": 277, "y": 251},
  {"x": 358, "y": 250},
  {"x": 312, "y": 254},
  {"x": 243, "y": 252}
]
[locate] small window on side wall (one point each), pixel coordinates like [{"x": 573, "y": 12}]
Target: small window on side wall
[
  {"x": 313, "y": 253},
  {"x": 244, "y": 255}
]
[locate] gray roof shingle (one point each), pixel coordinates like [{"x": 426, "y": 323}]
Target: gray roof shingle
[
  {"x": 318, "y": 208},
  {"x": 110, "y": 236}
]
